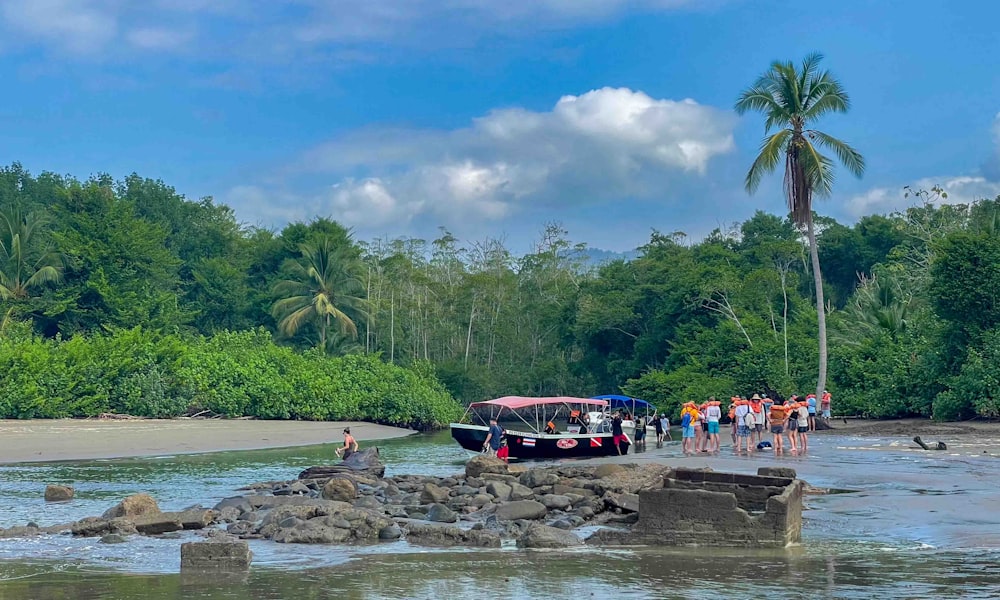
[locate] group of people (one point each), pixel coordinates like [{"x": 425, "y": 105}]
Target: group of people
[{"x": 750, "y": 420}]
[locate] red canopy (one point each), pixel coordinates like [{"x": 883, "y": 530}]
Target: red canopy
[{"x": 515, "y": 402}]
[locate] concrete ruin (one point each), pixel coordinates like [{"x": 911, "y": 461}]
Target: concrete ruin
[{"x": 708, "y": 508}]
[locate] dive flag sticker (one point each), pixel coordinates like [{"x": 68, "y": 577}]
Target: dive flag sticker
[{"x": 595, "y": 442}]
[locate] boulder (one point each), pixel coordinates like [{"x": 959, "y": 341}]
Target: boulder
[
  {"x": 113, "y": 538},
  {"x": 366, "y": 462},
  {"x": 786, "y": 472},
  {"x": 58, "y": 493},
  {"x": 309, "y": 532},
  {"x": 536, "y": 478},
  {"x": 340, "y": 489},
  {"x": 194, "y": 518},
  {"x": 624, "y": 502},
  {"x": 96, "y": 526},
  {"x": 433, "y": 494},
  {"x": 521, "y": 509},
  {"x": 556, "y": 502},
  {"x": 520, "y": 492},
  {"x": 236, "y": 503},
  {"x": 481, "y": 500},
  {"x": 215, "y": 557},
  {"x": 155, "y": 524},
  {"x": 543, "y": 536},
  {"x": 484, "y": 464},
  {"x": 499, "y": 490},
  {"x": 390, "y": 532},
  {"x": 135, "y": 505},
  {"x": 609, "y": 470},
  {"x": 440, "y": 513},
  {"x": 437, "y": 534},
  {"x": 367, "y": 502}
]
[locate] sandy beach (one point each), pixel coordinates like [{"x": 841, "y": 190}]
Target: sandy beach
[{"x": 77, "y": 439}]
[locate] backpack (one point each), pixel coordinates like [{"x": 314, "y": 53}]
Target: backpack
[{"x": 748, "y": 420}]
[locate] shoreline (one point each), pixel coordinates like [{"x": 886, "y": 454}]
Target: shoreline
[{"x": 58, "y": 440}]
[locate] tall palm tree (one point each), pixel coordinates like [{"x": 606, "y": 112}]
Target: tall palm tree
[
  {"x": 25, "y": 265},
  {"x": 792, "y": 100},
  {"x": 322, "y": 288}
]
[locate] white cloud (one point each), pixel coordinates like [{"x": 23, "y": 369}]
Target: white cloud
[
  {"x": 159, "y": 38},
  {"x": 74, "y": 25},
  {"x": 291, "y": 33},
  {"x": 606, "y": 144},
  {"x": 959, "y": 190}
]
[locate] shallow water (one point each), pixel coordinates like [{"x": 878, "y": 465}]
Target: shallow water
[{"x": 920, "y": 524}]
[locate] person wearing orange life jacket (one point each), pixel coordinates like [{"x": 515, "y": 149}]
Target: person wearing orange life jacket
[
  {"x": 757, "y": 408},
  {"x": 743, "y": 424},
  {"x": 792, "y": 427},
  {"x": 688, "y": 420},
  {"x": 700, "y": 429},
  {"x": 777, "y": 415},
  {"x": 713, "y": 413},
  {"x": 732, "y": 417}
]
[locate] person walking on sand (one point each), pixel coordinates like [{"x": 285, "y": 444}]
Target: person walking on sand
[
  {"x": 493, "y": 438},
  {"x": 712, "y": 415},
  {"x": 350, "y": 445}
]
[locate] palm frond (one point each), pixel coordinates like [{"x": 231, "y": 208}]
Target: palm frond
[
  {"x": 767, "y": 159},
  {"x": 848, "y": 156},
  {"x": 46, "y": 274},
  {"x": 291, "y": 323},
  {"x": 817, "y": 168}
]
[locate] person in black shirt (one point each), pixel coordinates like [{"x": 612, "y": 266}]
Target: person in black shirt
[{"x": 616, "y": 431}]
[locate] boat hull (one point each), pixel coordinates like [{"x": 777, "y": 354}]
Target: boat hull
[{"x": 526, "y": 445}]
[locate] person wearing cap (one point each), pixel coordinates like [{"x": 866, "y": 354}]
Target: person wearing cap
[{"x": 350, "y": 445}]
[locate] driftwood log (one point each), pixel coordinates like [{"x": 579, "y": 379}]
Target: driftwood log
[
  {"x": 939, "y": 446},
  {"x": 365, "y": 462}
]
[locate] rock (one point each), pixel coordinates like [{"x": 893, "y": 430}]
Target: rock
[
  {"x": 437, "y": 534},
  {"x": 543, "y": 536},
  {"x": 536, "y": 478},
  {"x": 215, "y": 556},
  {"x": 562, "y": 524},
  {"x": 624, "y": 502},
  {"x": 609, "y": 470},
  {"x": 440, "y": 513},
  {"x": 390, "y": 532},
  {"x": 556, "y": 502},
  {"x": 340, "y": 489},
  {"x": 521, "y": 509},
  {"x": 366, "y": 462},
  {"x": 433, "y": 494},
  {"x": 481, "y": 500},
  {"x": 367, "y": 502},
  {"x": 58, "y": 493},
  {"x": 135, "y": 505},
  {"x": 786, "y": 472},
  {"x": 499, "y": 490},
  {"x": 240, "y": 528},
  {"x": 484, "y": 464},
  {"x": 312, "y": 533},
  {"x": 96, "y": 526},
  {"x": 194, "y": 518},
  {"x": 520, "y": 492},
  {"x": 237, "y": 503},
  {"x": 585, "y": 512},
  {"x": 155, "y": 524},
  {"x": 113, "y": 538},
  {"x": 466, "y": 490},
  {"x": 565, "y": 490}
]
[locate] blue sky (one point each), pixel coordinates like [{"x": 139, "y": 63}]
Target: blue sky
[{"x": 396, "y": 117}]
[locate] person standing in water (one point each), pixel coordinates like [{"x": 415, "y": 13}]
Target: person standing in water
[
  {"x": 712, "y": 415},
  {"x": 350, "y": 445},
  {"x": 658, "y": 426},
  {"x": 617, "y": 434}
]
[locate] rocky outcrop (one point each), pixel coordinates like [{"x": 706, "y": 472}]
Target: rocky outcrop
[
  {"x": 215, "y": 557},
  {"x": 133, "y": 506},
  {"x": 543, "y": 536},
  {"x": 484, "y": 464},
  {"x": 364, "y": 462}
]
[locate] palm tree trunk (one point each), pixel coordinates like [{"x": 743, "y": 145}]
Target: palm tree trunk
[{"x": 820, "y": 306}]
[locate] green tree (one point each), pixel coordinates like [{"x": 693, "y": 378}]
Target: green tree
[
  {"x": 25, "y": 264},
  {"x": 792, "y": 99},
  {"x": 322, "y": 288}
]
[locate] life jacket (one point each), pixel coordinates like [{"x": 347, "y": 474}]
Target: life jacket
[
  {"x": 756, "y": 407},
  {"x": 778, "y": 413}
]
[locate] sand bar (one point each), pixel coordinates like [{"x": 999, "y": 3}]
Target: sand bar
[{"x": 78, "y": 439}]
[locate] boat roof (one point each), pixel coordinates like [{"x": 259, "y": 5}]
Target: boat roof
[
  {"x": 515, "y": 402},
  {"x": 625, "y": 401}
]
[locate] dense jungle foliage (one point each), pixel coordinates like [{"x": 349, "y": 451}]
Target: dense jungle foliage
[{"x": 124, "y": 296}]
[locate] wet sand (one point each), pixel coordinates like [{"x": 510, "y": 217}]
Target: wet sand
[
  {"x": 78, "y": 439},
  {"x": 910, "y": 428}
]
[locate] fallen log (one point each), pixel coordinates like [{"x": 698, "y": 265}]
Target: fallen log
[{"x": 938, "y": 446}]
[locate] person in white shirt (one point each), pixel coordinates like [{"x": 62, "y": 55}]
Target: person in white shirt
[{"x": 712, "y": 414}]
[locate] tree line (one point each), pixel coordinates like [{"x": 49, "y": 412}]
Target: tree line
[{"x": 911, "y": 299}]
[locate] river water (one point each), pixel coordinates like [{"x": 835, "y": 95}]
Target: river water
[{"x": 918, "y": 524}]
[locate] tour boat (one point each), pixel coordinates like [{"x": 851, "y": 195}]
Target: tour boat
[
  {"x": 633, "y": 408},
  {"x": 524, "y": 421}
]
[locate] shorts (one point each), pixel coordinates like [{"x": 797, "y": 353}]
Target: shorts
[
  {"x": 758, "y": 427},
  {"x": 804, "y": 429},
  {"x": 640, "y": 435},
  {"x": 688, "y": 432},
  {"x": 713, "y": 427},
  {"x": 742, "y": 431},
  {"x": 777, "y": 429},
  {"x": 826, "y": 413},
  {"x": 618, "y": 439}
]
